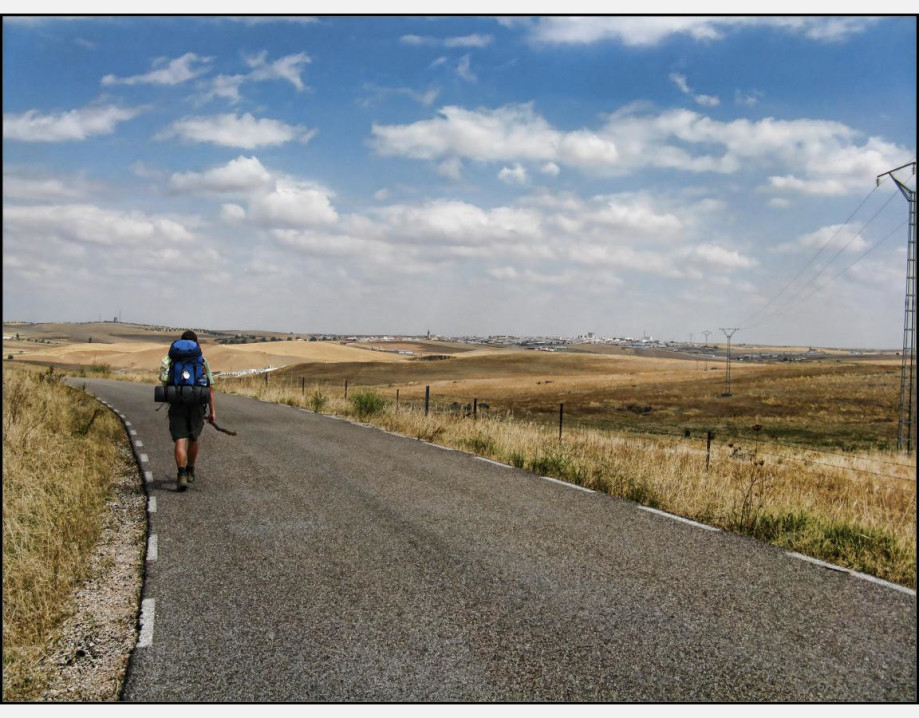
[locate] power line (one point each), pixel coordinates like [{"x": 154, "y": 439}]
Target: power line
[
  {"x": 814, "y": 257},
  {"x": 816, "y": 289}
]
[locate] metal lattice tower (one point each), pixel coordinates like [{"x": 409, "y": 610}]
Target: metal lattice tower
[
  {"x": 727, "y": 370},
  {"x": 906, "y": 422}
]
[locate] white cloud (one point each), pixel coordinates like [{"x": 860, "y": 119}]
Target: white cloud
[
  {"x": 292, "y": 204},
  {"x": 475, "y": 40},
  {"x": 513, "y": 175},
  {"x": 286, "y": 68},
  {"x": 231, "y": 130},
  {"x": 463, "y": 69},
  {"x": 38, "y": 188},
  {"x": 89, "y": 224},
  {"x": 168, "y": 72},
  {"x": 376, "y": 94},
  {"x": 451, "y": 168},
  {"x": 653, "y": 30},
  {"x": 704, "y": 100},
  {"x": 748, "y": 99},
  {"x": 72, "y": 125},
  {"x": 839, "y": 237},
  {"x": 232, "y": 213},
  {"x": 551, "y": 169},
  {"x": 244, "y": 174}
]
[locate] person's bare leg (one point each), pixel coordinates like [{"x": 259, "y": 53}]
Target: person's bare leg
[
  {"x": 181, "y": 453},
  {"x": 192, "y": 456}
]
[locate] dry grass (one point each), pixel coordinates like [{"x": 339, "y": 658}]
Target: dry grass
[
  {"x": 857, "y": 509},
  {"x": 60, "y": 458}
]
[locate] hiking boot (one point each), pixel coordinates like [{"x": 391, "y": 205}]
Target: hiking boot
[
  {"x": 182, "y": 481},
  {"x": 190, "y": 473}
]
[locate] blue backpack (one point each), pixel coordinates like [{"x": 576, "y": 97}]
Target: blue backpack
[{"x": 187, "y": 367}]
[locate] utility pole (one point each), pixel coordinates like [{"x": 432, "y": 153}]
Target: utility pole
[
  {"x": 706, "y": 334},
  {"x": 727, "y": 371},
  {"x": 906, "y": 422}
]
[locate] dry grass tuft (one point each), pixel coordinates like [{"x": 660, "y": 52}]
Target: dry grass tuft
[{"x": 60, "y": 458}]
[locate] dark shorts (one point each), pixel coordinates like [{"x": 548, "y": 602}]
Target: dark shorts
[{"x": 186, "y": 420}]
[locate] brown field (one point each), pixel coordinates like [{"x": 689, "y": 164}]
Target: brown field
[{"x": 820, "y": 475}]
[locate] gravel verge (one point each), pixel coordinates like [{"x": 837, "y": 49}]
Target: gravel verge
[{"x": 88, "y": 658}]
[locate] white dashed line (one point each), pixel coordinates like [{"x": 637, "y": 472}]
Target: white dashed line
[
  {"x": 128, "y": 423},
  {"x": 568, "y": 484},
  {"x": 144, "y": 458},
  {"x": 132, "y": 432},
  {"x": 151, "y": 505},
  {"x": 152, "y": 553},
  {"x": 679, "y": 518},
  {"x": 148, "y": 476},
  {"x": 147, "y": 611},
  {"x": 855, "y": 574},
  {"x": 138, "y": 443}
]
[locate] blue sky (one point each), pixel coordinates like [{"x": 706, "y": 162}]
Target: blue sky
[{"x": 467, "y": 175}]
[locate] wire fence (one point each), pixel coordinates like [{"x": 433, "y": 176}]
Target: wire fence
[{"x": 419, "y": 399}]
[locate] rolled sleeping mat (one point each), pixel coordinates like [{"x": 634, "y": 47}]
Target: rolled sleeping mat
[{"x": 182, "y": 394}]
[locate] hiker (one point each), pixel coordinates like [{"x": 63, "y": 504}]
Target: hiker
[{"x": 185, "y": 364}]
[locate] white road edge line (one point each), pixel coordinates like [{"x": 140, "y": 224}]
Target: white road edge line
[
  {"x": 496, "y": 463},
  {"x": 568, "y": 484},
  {"x": 144, "y": 458},
  {"x": 856, "y": 574},
  {"x": 132, "y": 432},
  {"x": 151, "y": 505},
  {"x": 679, "y": 518},
  {"x": 138, "y": 443},
  {"x": 152, "y": 553},
  {"x": 148, "y": 476},
  {"x": 147, "y": 612}
]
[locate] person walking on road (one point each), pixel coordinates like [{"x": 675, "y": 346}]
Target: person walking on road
[{"x": 186, "y": 365}]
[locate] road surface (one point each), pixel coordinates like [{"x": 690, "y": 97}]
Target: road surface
[{"x": 318, "y": 560}]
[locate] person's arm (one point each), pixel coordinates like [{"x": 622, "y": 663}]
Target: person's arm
[{"x": 212, "y": 412}]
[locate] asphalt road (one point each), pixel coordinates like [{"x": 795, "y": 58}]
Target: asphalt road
[{"x": 318, "y": 560}]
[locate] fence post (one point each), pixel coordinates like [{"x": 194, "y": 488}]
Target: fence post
[
  {"x": 475, "y": 409},
  {"x": 708, "y": 449},
  {"x": 303, "y": 386},
  {"x": 397, "y": 399},
  {"x": 427, "y": 399},
  {"x": 266, "y": 378},
  {"x": 561, "y": 415},
  {"x": 346, "y": 388}
]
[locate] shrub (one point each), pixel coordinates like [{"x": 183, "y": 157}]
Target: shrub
[
  {"x": 367, "y": 404},
  {"x": 318, "y": 401}
]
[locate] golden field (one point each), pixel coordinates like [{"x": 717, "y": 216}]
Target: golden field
[{"x": 802, "y": 453}]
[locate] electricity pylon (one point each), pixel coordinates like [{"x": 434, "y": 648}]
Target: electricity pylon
[
  {"x": 727, "y": 371},
  {"x": 906, "y": 422}
]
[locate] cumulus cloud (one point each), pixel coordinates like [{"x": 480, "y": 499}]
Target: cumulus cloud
[
  {"x": 292, "y": 204},
  {"x": 72, "y": 125},
  {"x": 551, "y": 169},
  {"x": 89, "y": 224},
  {"x": 513, "y": 175},
  {"x": 243, "y": 131},
  {"x": 30, "y": 186},
  {"x": 451, "y": 168},
  {"x": 167, "y": 72},
  {"x": 652, "y": 30},
  {"x": 244, "y": 174},
  {"x": 804, "y": 155}
]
